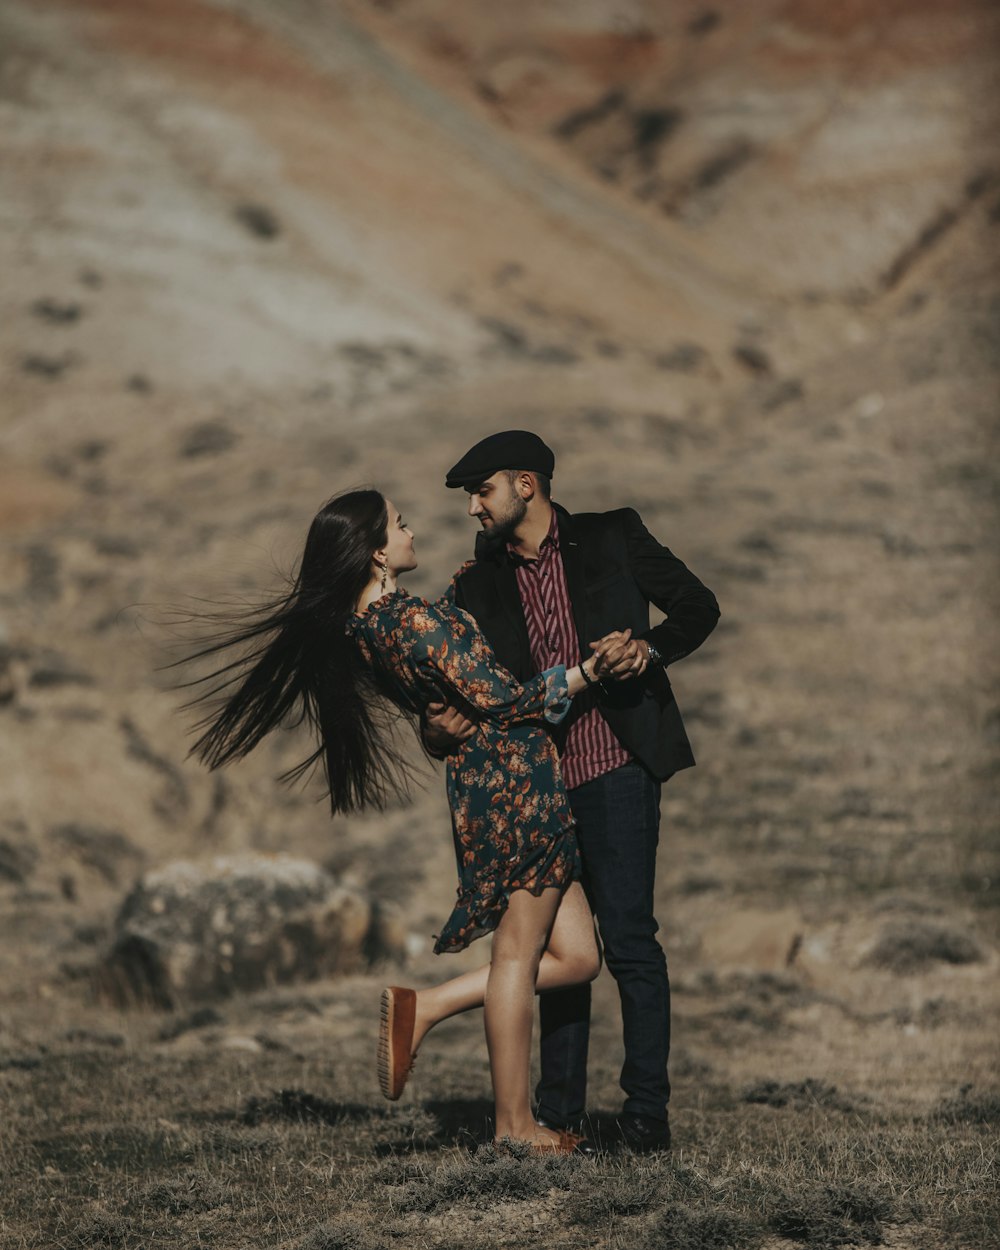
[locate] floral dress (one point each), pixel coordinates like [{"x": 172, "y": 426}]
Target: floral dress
[{"x": 510, "y": 816}]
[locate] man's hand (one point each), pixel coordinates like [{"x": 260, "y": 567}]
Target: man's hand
[
  {"x": 621, "y": 656},
  {"x": 446, "y": 728}
]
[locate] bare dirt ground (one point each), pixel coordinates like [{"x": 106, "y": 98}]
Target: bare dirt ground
[{"x": 738, "y": 265}]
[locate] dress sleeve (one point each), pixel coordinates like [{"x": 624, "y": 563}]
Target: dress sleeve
[{"x": 448, "y": 648}]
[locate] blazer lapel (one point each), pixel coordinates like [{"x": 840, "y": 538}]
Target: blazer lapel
[
  {"x": 576, "y": 584},
  {"x": 505, "y": 577},
  {"x": 498, "y": 582}
]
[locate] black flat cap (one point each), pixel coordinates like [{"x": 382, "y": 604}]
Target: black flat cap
[{"x": 510, "y": 449}]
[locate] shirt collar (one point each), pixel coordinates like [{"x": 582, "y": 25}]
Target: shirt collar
[{"x": 549, "y": 543}]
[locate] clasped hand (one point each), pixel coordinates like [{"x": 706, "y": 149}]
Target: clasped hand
[{"x": 619, "y": 656}]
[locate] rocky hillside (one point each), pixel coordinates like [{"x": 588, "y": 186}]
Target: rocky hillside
[{"x": 738, "y": 265}]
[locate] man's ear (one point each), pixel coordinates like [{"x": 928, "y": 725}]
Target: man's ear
[{"x": 527, "y": 486}]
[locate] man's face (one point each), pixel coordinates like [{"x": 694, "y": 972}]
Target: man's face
[{"x": 497, "y": 505}]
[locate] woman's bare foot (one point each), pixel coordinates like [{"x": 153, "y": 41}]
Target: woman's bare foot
[{"x": 533, "y": 1135}]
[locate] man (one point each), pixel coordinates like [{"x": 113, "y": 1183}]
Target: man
[{"x": 542, "y": 584}]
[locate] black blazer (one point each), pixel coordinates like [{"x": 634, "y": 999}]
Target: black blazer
[{"x": 614, "y": 570}]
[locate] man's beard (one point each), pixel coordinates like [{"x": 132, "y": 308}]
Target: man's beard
[{"x": 503, "y": 527}]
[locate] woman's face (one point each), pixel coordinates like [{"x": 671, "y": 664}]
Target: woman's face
[{"x": 399, "y": 554}]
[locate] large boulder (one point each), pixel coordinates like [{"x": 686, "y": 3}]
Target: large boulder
[{"x": 201, "y": 931}]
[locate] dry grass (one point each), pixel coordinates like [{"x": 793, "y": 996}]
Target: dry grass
[{"x": 134, "y": 1147}]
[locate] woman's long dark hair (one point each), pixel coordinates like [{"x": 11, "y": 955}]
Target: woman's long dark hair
[{"x": 298, "y": 664}]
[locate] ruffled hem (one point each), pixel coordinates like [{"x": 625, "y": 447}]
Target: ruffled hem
[{"x": 481, "y": 907}]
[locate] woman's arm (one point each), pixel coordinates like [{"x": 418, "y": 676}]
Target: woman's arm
[{"x": 450, "y": 648}]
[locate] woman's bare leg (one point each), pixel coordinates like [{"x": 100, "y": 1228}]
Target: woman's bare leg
[
  {"x": 508, "y": 1009},
  {"x": 571, "y": 956}
]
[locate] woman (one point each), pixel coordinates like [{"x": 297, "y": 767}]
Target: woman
[{"x": 341, "y": 650}]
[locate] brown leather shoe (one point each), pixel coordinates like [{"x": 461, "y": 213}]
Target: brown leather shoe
[{"x": 395, "y": 1039}]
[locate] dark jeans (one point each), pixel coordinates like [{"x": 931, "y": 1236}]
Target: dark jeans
[{"x": 618, "y": 822}]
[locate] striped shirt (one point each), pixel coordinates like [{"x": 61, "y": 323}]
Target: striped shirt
[{"x": 590, "y": 748}]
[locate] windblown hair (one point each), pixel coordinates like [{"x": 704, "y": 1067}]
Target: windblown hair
[{"x": 296, "y": 664}]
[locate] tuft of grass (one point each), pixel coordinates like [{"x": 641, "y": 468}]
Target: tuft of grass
[
  {"x": 622, "y": 1194},
  {"x": 493, "y": 1174},
  {"x": 344, "y": 1233},
  {"x": 908, "y": 946},
  {"x": 831, "y": 1215},
  {"x": 714, "y": 1207},
  {"x": 684, "y": 1227},
  {"x": 191, "y": 1192},
  {"x": 798, "y": 1094},
  {"x": 102, "y": 1228},
  {"x": 300, "y": 1107},
  {"x": 969, "y": 1106}
]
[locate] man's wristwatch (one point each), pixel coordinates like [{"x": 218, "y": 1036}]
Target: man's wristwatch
[{"x": 654, "y": 656}]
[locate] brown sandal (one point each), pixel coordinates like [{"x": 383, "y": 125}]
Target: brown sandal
[{"x": 395, "y": 1039}]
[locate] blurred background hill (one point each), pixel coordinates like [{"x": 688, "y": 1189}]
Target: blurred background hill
[{"x": 737, "y": 263}]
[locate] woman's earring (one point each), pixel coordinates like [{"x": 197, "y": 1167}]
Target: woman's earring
[{"x": 385, "y": 574}]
